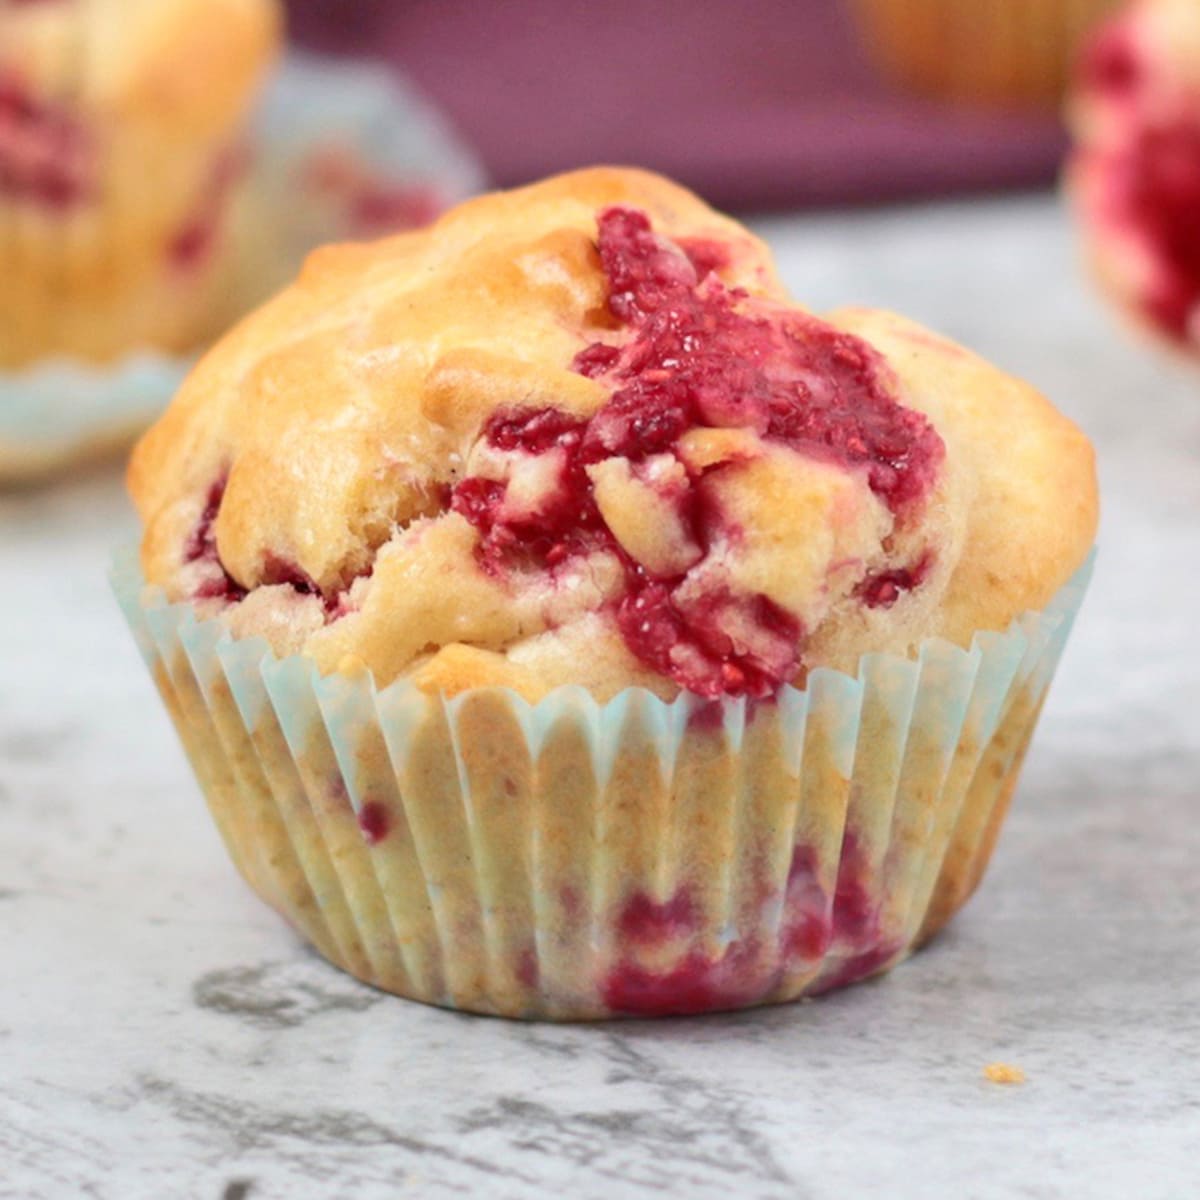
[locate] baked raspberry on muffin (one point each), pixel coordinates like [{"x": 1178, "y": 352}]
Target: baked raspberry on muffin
[
  {"x": 120, "y": 160},
  {"x": 1135, "y": 171},
  {"x": 573, "y": 561}
]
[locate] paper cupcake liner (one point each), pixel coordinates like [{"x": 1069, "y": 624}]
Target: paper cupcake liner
[
  {"x": 986, "y": 50},
  {"x": 577, "y": 860},
  {"x": 393, "y": 143}
]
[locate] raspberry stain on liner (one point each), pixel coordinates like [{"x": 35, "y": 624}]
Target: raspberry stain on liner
[
  {"x": 374, "y": 821},
  {"x": 702, "y": 356},
  {"x": 750, "y": 967}
]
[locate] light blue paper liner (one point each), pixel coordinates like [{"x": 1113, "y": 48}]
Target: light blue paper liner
[
  {"x": 57, "y": 411},
  {"x": 575, "y": 859}
]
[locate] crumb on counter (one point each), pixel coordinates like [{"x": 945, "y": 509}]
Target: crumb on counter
[{"x": 999, "y": 1072}]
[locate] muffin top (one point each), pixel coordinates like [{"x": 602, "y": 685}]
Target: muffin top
[
  {"x": 578, "y": 434},
  {"x": 1136, "y": 169}
]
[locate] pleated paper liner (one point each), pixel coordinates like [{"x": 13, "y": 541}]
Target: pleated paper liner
[{"x": 577, "y": 860}]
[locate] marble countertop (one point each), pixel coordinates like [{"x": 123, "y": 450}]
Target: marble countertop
[{"x": 162, "y": 1034}]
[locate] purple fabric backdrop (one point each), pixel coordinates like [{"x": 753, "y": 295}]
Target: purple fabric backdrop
[{"x": 755, "y": 103}]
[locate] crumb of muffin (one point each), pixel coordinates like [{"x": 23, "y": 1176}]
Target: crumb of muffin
[{"x": 1004, "y": 1073}]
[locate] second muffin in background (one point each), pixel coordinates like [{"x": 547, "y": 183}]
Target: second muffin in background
[
  {"x": 1006, "y": 52},
  {"x": 120, "y": 164},
  {"x": 785, "y": 593}
]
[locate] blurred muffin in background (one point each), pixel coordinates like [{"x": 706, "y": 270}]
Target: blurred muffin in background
[
  {"x": 120, "y": 164},
  {"x": 1135, "y": 171},
  {"x": 989, "y": 51}
]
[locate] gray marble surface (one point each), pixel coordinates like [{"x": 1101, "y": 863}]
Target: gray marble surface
[{"x": 162, "y": 1034}]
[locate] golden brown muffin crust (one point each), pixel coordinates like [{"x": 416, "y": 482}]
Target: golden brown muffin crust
[{"x": 311, "y": 480}]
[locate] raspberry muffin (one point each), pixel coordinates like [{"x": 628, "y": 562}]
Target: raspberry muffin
[
  {"x": 564, "y": 623},
  {"x": 991, "y": 51},
  {"x": 119, "y": 165},
  {"x": 1135, "y": 172}
]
